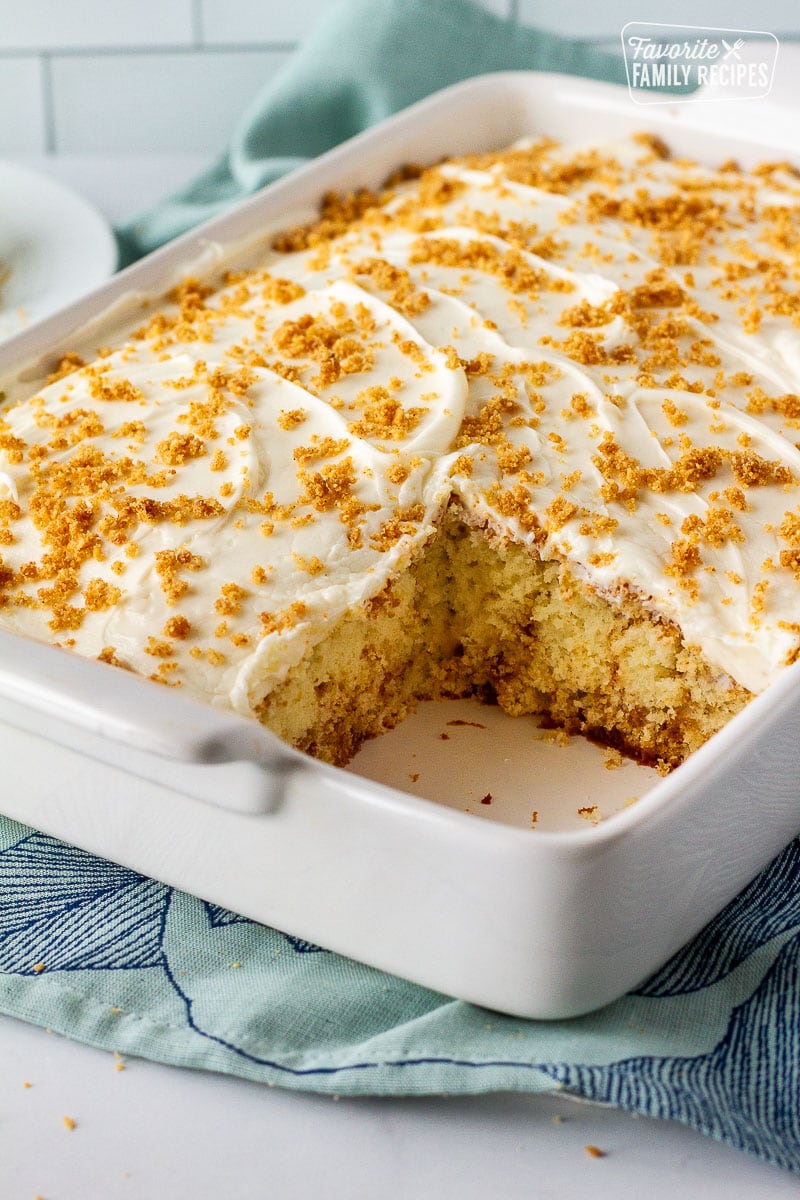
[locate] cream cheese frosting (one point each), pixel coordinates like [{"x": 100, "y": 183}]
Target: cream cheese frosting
[{"x": 594, "y": 350}]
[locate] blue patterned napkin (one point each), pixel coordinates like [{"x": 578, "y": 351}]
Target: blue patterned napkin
[
  {"x": 124, "y": 962},
  {"x": 117, "y": 960}
]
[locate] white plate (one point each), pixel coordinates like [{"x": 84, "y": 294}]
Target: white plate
[{"x": 54, "y": 245}]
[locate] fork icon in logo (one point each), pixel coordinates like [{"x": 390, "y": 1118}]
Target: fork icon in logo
[{"x": 732, "y": 50}]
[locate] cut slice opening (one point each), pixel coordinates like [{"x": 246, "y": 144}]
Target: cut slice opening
[{"x": 475, "y": 616}]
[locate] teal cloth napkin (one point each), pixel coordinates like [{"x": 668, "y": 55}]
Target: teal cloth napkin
[
  {"x": 365, "y": 60},
  {"x": 107, "y": 956}
]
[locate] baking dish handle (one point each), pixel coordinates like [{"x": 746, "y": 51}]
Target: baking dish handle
[{"x": 73, "y": 700}]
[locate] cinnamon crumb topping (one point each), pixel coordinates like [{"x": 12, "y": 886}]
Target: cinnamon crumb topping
[{"x": 292, "y": 418}]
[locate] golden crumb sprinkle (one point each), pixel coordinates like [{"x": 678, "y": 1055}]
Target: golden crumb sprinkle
[
  {"x": 325, "y": 447},
  {"x": 489, "y": 426},
  {"x": 330, "y": 486},
  {"x": 598, "y": 525},
  {"x": 169, "y": 564},
  {"x": 312, "y": 566},
  {"x": 383, "y": 416},
  {"x": 462, "y": 465},
  {"x": 652, "y": 142},
  {"x": 590, "y": 812},
  {"x": 177, "y": 627},
  {"x": 158, "y": 649},
  {"x": 337, "y": 213},
  {"x": 403, "y": 294},
  {"x": 404, "y": 523},
  {"x": 398, "y": 473},
  {"x": 281, "y": 291},
  {"x": 511, "y": 459},
  {"x": 558, "y": 512},
  {"x": 334, "y": 345},
  {"x": 108, "y": 390},
  {"x": 280, "y": 622},
  {"x": 229, "y": 602},
  {"x": 68, "y": 363},
  {"x": 515, "y": 501},
  {"x": 674, "y": 415},
  {"x": 292, "y": 418},
  {"x": 135, "y": 430},
  {"x": 109, "y": 655},
  {"x": 99, "y": 595}
]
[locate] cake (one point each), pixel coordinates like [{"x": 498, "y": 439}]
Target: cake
[{"x": 520, "y": 426}]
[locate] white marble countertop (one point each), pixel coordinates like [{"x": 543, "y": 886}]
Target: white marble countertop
[{"x": 149, "y": 1131}]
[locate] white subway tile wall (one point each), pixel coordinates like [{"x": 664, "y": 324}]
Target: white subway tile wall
[
  {"x": 158, "y": 102},
  {"x": 54, "y": 25},
  {"x": 227, "y": 22},
  {"x": 605, "y": 20},
  {"x": 22, "y": 105},
  {"x": 93, "y": 76}
]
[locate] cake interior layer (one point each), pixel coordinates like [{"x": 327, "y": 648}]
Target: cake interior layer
[{"x": 477, "y": 617}]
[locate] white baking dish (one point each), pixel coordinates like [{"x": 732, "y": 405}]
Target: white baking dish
[{"x": 544, "y": 919}]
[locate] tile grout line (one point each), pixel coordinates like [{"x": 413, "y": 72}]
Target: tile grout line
[
  {"x": 48, "y": 106},
  {"x": 136, "y": 51},
  {"x": 197, "y": 23}
]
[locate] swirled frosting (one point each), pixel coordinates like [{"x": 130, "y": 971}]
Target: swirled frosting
[{"x": 593, "y": 350}]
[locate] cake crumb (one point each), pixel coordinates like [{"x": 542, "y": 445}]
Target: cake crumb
[
  {"x": 613, "y": 760},
  {"x": 69, "y": 1122},
  {"x": 487, "y": 799},
  {"x": 37, "y": 968},
  {"x": 595, "y": 1151},
  {"x": 556, "y": 737},
  {"x": 119, "y": 1065},
  {"x": 414, "y": 776}
]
